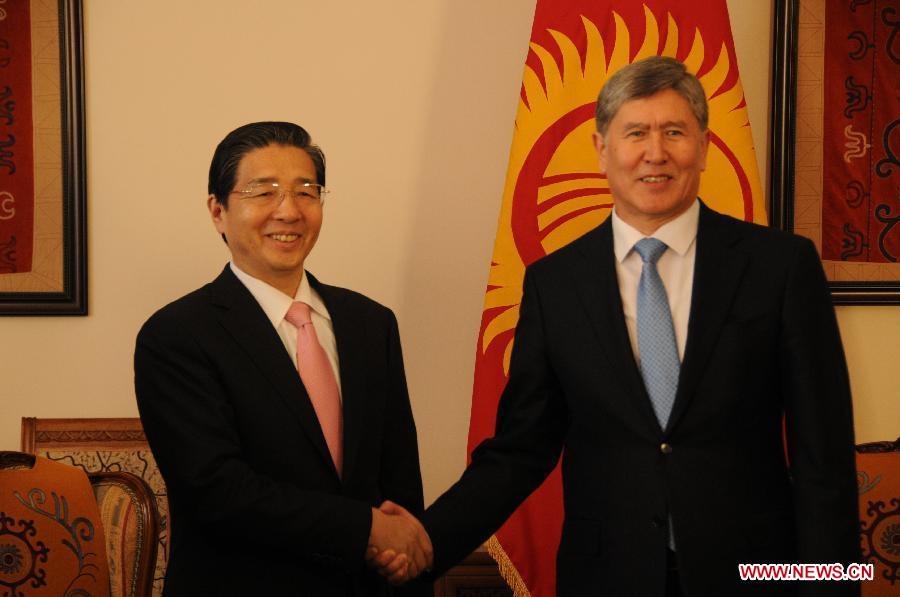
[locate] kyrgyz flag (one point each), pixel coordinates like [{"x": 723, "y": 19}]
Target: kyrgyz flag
[{"x": 554, "y": 193}]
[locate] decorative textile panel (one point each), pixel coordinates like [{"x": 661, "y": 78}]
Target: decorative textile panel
[
  {"x": 51, "y": 539},
  {"x": 16, "y": 139},
  {"x": 878, "y": 478},
  {"x": 861, "y": 134}
]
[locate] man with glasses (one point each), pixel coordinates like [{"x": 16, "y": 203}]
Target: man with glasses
[{"x": 276, "y": 406}]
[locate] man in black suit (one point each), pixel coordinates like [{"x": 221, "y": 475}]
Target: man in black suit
[
  {"x": 272, "y": 473},
  {"x": 674, "y": 465}
]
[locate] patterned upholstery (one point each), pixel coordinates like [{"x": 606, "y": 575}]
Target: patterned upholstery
[
  {"x": 129, "y": 519},
  {"x": 103, "y": 446},
  {"x": 878, "y": 477},
  {"x": 52, "y": 541}
]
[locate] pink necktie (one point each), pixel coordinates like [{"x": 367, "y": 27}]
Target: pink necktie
[{"x": 318, "y": 379}]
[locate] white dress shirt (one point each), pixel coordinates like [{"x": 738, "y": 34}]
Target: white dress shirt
[
  {"x": 275, "y": 304},
  {"x": 675, "y": 267}
]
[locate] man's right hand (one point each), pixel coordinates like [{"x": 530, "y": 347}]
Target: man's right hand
[{"x": 399, "y": 546}]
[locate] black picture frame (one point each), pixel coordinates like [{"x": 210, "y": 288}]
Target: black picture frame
[
  {"x": 72, "y": 298},
  {"x": 782, "y": 153}
]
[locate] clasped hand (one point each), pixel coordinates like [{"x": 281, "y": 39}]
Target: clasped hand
[{"x": 399, "y": 547}]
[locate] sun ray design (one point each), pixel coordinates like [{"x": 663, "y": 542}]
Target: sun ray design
[
  {"x": 554, "y": 191},
  {"x": 651, "y": 37},
  {"x": 695, "y": 57},
  {"x": 671, "y": 39}
]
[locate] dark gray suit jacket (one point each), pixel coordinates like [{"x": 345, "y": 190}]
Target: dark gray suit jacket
[
  {"x": 762, "y": 347},
  {"x": 257, "y": 505}
]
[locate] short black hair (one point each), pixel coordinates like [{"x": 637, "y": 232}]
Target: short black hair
[{"x": 256, "y": 135}]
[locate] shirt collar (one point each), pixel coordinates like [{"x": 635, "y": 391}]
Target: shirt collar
[
  {"x": 274, "y": 303},
  {"x": 678, "y": 234}
]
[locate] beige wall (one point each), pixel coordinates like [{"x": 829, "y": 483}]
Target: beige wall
[{"x": 413, "y": 102}]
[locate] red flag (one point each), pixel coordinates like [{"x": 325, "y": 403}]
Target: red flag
[{"x": 554, "y": 193}]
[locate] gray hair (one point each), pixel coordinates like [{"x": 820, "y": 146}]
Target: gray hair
[{"x": 645, "y": 78}]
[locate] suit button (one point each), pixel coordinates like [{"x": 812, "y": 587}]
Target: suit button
[
  {"x": 665, "y": 448},
  {"x": 657, "y": 522}
]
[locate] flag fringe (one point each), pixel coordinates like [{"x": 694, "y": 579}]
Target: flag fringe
[{"x": 507, "y": 568}]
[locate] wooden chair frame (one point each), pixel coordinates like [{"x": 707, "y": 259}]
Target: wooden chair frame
[
  {"x": 148, "y": 527},
  {"x": 113, "y": 434}
]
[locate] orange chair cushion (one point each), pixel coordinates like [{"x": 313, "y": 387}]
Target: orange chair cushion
[{"x": 51, "y": 540}]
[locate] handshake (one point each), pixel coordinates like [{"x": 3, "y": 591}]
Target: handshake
[{"x": 399, "y": 547}]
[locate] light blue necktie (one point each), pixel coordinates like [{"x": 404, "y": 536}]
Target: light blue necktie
[{"x": 656, "y": 334}]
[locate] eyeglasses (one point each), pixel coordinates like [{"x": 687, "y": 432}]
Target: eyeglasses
[{"x": 272, "y": 193}]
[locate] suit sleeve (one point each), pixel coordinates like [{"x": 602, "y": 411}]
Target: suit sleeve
[
  {"x": 819, "y": 419},
  {"x": 505, "y": 469},
  {"x": 194, "y": 435},
  {"x": 400, "y": 480}
]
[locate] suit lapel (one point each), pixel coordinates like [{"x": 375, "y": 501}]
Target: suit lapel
[
  {"x": 598, "y": 287},
  {"x": 349, "y": 332},
  {"x": 718, "y": 269},
  {"x": 245, "y": 321}
]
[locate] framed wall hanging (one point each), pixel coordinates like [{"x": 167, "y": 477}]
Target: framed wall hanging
[
  {"x": 43, "y": 243},
  {"x": 835, "y": 138}
]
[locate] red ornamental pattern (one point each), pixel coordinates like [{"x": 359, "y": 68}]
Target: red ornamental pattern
[
  {"x": 861, "y": 132},
  {"x": 16, "y": 139}
]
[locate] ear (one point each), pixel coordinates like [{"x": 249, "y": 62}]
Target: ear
[
  {"x": 217, "y": 212},
  {"x": 704, "y": 149},
  {"x": 600, "y": 146}
]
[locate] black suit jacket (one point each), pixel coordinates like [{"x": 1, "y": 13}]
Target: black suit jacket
[
  {"x": 257, "y": 505},
  {"x": 762, "y": 343}
]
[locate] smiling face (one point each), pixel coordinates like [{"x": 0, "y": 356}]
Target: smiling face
[
  {"x": 653, "y": 153},
  {"x": 270, "y": 242}
]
